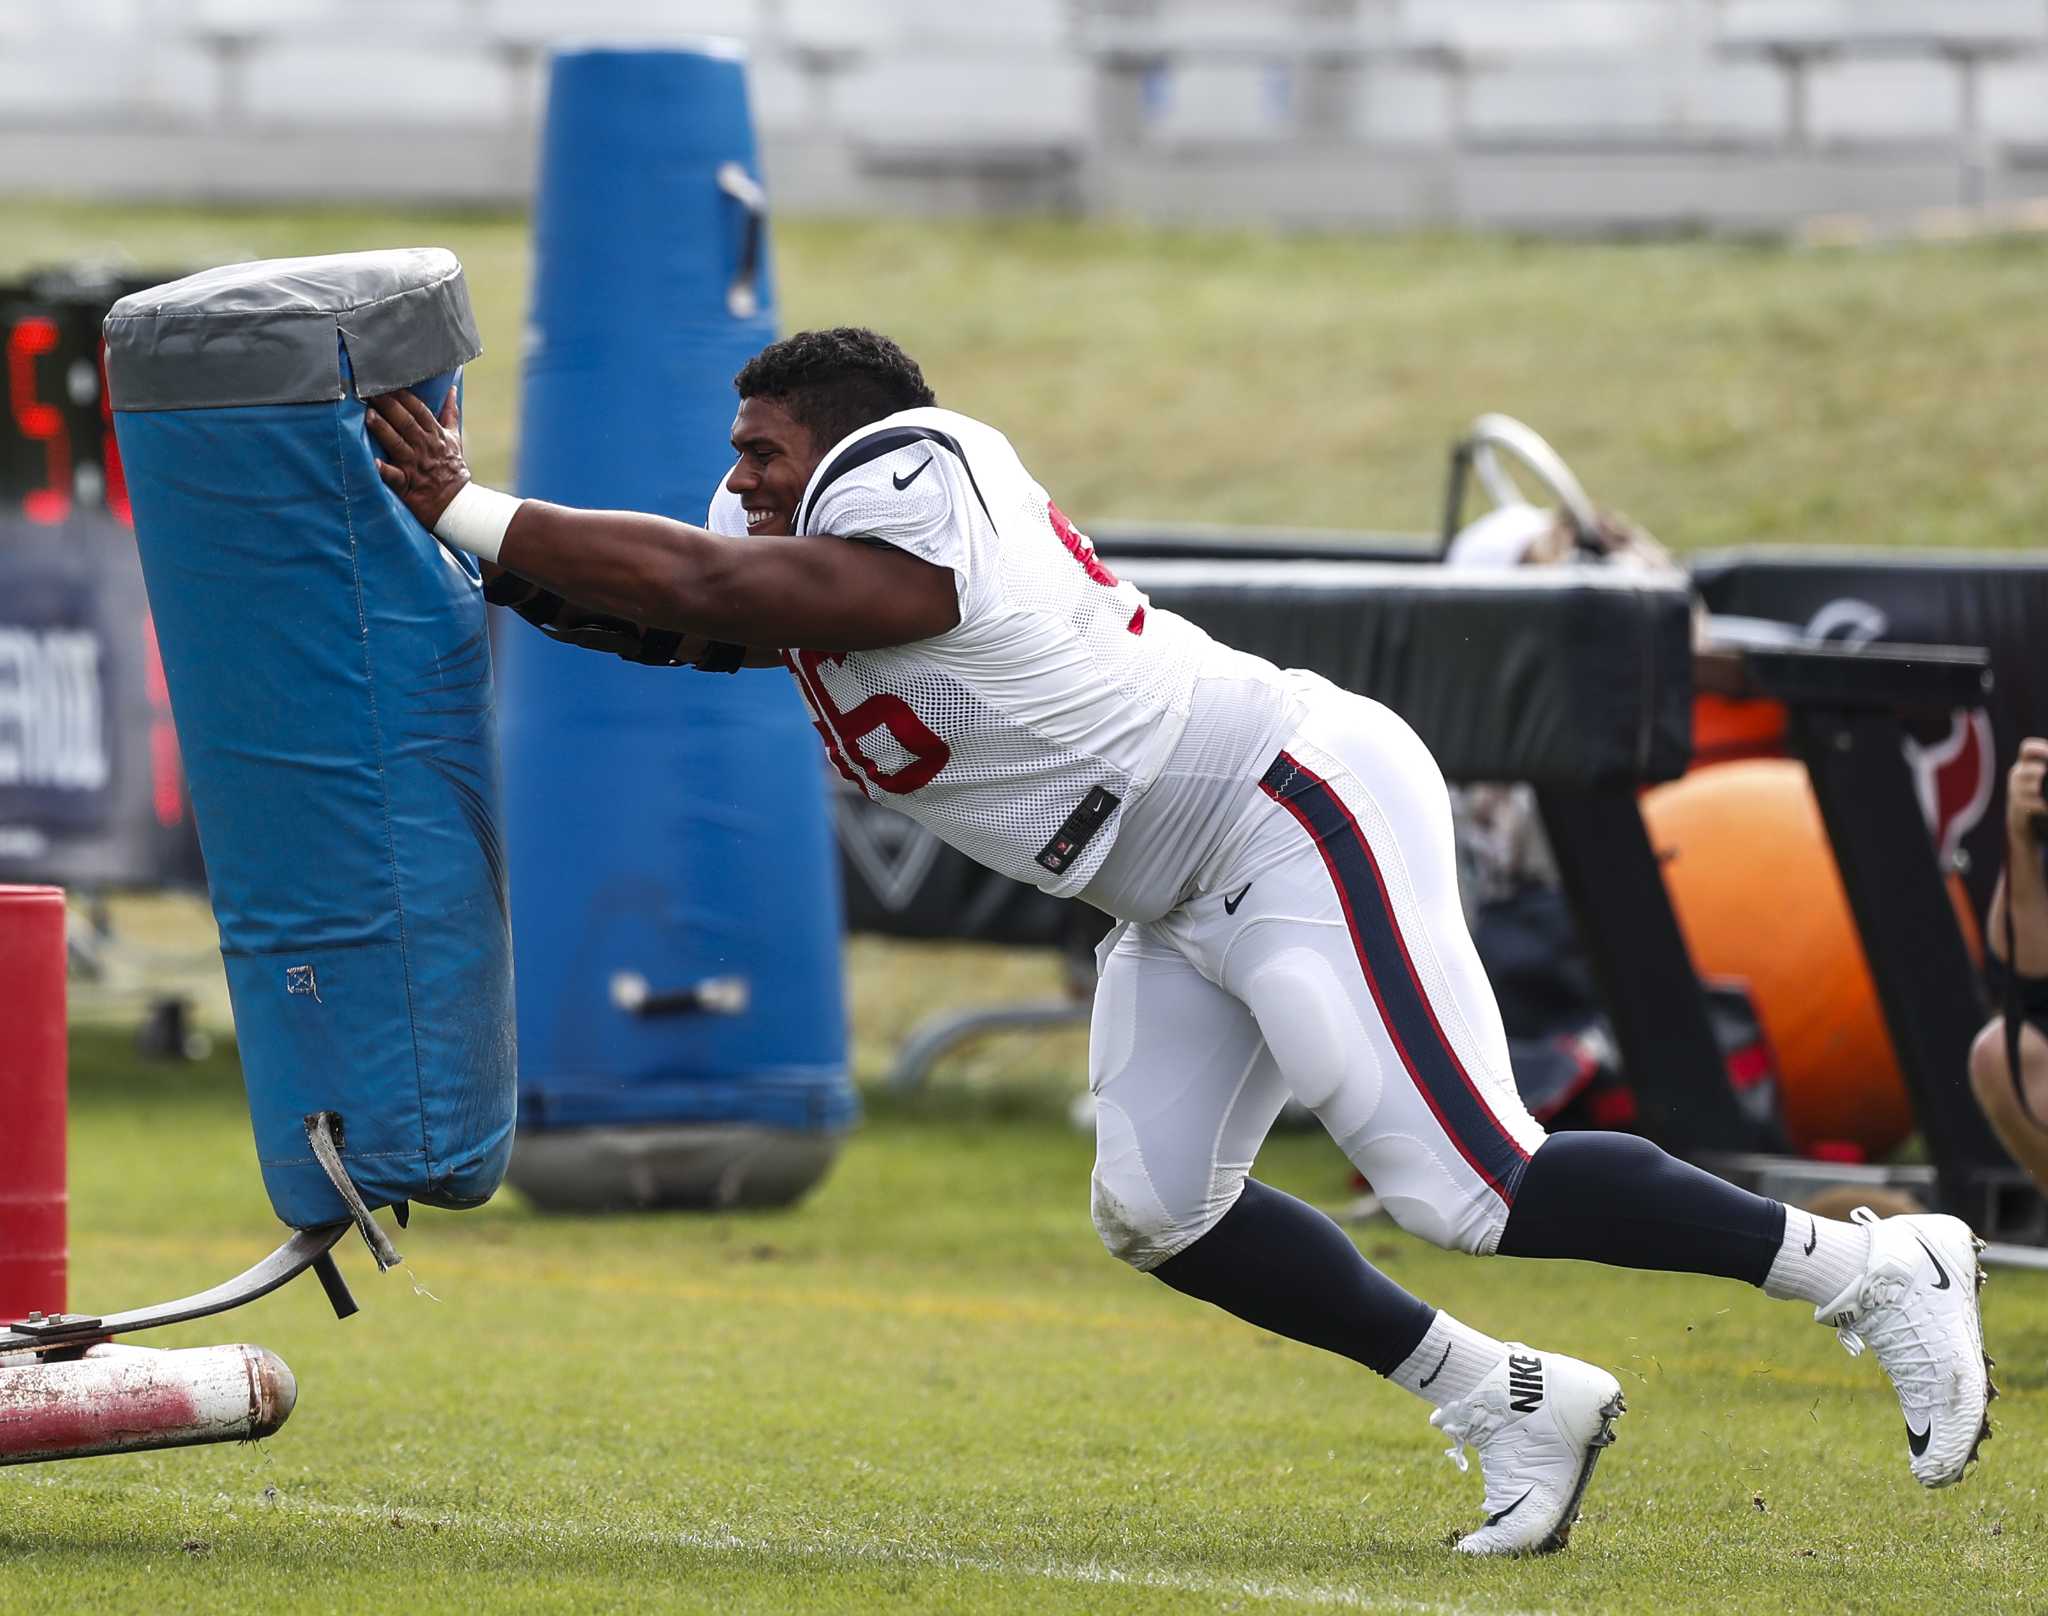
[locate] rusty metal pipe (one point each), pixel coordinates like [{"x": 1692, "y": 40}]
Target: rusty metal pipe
[{"x": 116, "y": 1399}]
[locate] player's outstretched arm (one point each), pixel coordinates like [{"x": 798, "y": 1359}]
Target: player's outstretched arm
[
  {"x": 818, "y": 592},
  {"x": 823, "y": 593}
]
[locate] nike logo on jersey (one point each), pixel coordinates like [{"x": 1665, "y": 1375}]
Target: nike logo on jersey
[
  {"x": 1230, "y": 908},
  {"x": 904, "y": 482},
  {"x": 1525, "y": 1383},
  {"x": 1446, "y": 1358},
  {"x": 1940, "y": 1273}
]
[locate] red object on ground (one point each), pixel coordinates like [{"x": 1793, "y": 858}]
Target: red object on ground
[
  {"x": 114, "y": 1399},
  {"x": 34, "y": 1258}
]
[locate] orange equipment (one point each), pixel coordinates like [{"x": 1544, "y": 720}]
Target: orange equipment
[{"x": 1750, "y": 873}]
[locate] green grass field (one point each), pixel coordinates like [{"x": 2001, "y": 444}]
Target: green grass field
[{"x": 927, "y": 1387}]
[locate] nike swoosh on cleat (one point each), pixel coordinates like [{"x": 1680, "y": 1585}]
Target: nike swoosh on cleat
[
  {"x": 904, "y": 482},
  {"x": 1812, "y": 1236},
  {"x": 1230, "y": 908},
  {"x": 1917, "y": 1440},
  {"x": 1439, "y": 1369},
  {"x": 1942, "y": 1283},
  {"x": 1495, "y": 1520}
]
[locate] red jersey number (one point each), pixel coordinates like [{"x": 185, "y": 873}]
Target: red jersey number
[
  {"x": 1082, "y": 549},
  {"x": 844, "y": 731},
  {"x": 1079, "y": 546}
]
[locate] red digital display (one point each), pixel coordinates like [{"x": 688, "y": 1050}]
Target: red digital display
[
  {"x": 57, "y": 448},
  {"x": 38, "y": 421},
  {"x": 92, "y": 787}
]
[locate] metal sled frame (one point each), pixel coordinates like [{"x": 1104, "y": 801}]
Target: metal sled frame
[{"x": 307, "y": 1248}]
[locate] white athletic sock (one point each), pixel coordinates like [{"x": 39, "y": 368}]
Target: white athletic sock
[
  {"x": 1450, "y": 1363},
  {"x": 1819, "y": 1259}
]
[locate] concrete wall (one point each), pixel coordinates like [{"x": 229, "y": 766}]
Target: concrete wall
[{"x": 1547, "y": 114}]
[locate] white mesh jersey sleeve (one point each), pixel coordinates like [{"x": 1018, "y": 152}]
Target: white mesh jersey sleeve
[{"x": 907, "y": 485}]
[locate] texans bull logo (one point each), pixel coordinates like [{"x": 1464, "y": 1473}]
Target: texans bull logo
[{"x": 1952, "y": 776}]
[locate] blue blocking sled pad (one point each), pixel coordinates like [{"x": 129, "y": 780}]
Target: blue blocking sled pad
[{"x": 330, "y": 674}]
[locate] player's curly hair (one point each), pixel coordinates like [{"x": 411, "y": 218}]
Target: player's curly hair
[{"x": 832, "y": 382}]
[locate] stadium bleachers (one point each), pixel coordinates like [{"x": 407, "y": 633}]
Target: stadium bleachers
[{"x": 1565, "y": 114}]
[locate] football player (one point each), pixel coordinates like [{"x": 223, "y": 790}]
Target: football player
[{"x": 1277, "y": 853}]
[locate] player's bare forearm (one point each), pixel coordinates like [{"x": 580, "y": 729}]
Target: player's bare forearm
[
  {"x": 619, "y": 562},
  {"x": 825, "y": 593},
  {"x": 762, "y": 592}
]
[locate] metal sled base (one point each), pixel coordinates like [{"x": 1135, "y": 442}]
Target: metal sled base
[
  {"x": 931, "y": 1040},
  {"x": 307, "y": 1248}
]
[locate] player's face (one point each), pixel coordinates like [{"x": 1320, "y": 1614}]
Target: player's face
[{"x": 776, "y": 459}]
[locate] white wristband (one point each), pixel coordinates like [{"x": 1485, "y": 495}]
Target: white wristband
[{"x": 476, "y": 519}]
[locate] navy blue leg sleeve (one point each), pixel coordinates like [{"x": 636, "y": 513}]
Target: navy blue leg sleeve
[
  {"x": 1280, "y": 1264},
  {"x": 1615, "y": 1198}
]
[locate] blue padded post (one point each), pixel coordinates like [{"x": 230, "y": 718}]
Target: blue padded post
[
  {"x": 663, "y": 823},
  {"x": 330, "y": 675}
]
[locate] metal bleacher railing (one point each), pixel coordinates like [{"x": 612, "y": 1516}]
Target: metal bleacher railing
[{"x": 1553, "y": 114}]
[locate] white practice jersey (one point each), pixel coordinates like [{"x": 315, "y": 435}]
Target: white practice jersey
[{"x": 1028, "y": 735}]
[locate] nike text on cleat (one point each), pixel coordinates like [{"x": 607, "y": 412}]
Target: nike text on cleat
[
  {"x": 1538, "y": 1422},
  {"x": 1927, "y": 1334}
]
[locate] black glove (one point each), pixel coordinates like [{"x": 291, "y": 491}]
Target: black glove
[
  {"x": 537, "y": 605},
  {"x": 650, "y": 647}
]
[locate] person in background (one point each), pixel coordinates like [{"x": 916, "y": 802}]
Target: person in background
[{"x": 2018, "y": 1109}]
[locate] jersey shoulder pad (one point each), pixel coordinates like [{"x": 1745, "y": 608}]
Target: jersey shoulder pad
[{"x": 902, "y": 483}]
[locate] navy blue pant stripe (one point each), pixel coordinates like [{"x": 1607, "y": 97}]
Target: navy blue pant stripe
[{"x": 1411, "y": 1021}]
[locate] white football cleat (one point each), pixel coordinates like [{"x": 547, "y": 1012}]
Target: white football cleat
[
  {"x": 1915, "y": 1306},
  {"x": 1538, "y": 1422}
]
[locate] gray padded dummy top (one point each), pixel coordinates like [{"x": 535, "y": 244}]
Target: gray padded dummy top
[{"x": 272, "y": 332}]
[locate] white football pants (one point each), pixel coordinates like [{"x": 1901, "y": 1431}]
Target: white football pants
[{"x": 1322, "y": 954}]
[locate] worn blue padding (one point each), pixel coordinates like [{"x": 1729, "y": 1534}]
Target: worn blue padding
[
  {"x": 662, "y": 822},
  {"x": 330, "y": 676}
]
